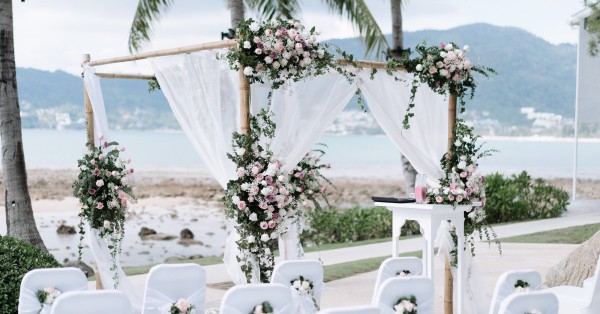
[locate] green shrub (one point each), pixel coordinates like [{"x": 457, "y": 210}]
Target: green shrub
[
  {"x": 16, "y": 259},
  {"x": 350, "y": 225},
  {"x": 518, "y": 197}
]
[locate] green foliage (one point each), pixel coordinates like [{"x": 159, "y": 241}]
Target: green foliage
[
  {"x": 519, "y": 197},
  {"x": 593, "y": 27},
  {"x": 16, "y": 259},
  {"x": 141, "y": 28}
]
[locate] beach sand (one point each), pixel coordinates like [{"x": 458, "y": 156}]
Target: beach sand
[{"x": 169, "y": 201}]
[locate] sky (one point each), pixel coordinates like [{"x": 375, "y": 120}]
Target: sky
[{"x": 53, "y": 35}]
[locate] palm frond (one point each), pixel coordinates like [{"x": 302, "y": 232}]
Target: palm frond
[
  {"x": 268, "y": 9},
  {"x": 359, "y": 14},
  {"x": 141, "y": 28}
]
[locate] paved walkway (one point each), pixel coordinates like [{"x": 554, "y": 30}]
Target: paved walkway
[{"x": 358, "y": 289}]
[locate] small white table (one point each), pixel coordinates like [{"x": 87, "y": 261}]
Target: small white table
[{"x": 429, "y": 217}]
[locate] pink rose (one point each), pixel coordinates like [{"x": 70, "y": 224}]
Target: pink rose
[
  {"x": 268, "y": 32},
  {"x": 122, "y": 148},
  {"x": 93, "y": 161},
  {"x": 130, "y": 171},
  {"x": 258, "y": 51},
  {"x": 241, "y": 205},
  {"x": 101, "y": 156},
  {"x": 256, "y": 40},
  {"x": 439, "y": 199},
  {"x": 241, "y": 172},
  {"x": 264, "y": 225},
  {"x": 123, "y": 202},
  {"x": 97, "y": 172},
  {"x": 272, "y": 224},
  {"x": 108, "y": 174},
  {"x": 459, "y": 198},
  {"x": 250, "y": 199},
  {"x": 311, "y": 172},
  {"x": 439, "y": 64},
  {"x": 432, "y": 70},
  {"x": 463, "y": 174},
  {"x": 323, "y": 188},
  {"x": 451, "y": 197},
  {"x": 100, "y": 205},
  {"x": 182, "y": 305},
  {"x": 327, "y": 166},
  {"x": 263, "y": 205}
]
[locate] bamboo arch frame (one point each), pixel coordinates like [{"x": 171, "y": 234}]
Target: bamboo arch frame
[{"x": 245, "y": 107}]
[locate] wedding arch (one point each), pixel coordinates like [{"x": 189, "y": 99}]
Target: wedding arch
[{"x": 203, "y": 92}]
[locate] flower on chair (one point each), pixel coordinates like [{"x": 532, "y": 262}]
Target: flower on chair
[
  {"x": 521, "y": 286},
  {"x": 406, "y": 305},
  {"x": 181, "y": 307},
  {"x": 48, "y": 295},
  {"x": 263, "y": 308},
  {"x": 403, "y": 273}
]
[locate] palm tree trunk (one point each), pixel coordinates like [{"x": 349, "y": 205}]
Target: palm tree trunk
[
  {"x": 19, "y": 214},
  {"x": 236, "y": 8}
]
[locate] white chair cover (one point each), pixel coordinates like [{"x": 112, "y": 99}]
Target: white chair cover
[
  {"x": 505, "y": 286},
  {"x": 361, "y": 309},
  {"x": 287, "y": 271},
  {"x": 393, "y": 265},
  {"x": 92, "y": 302},
  {"x": 521, "y": 303},
  {"x": 579, "y": 300},
  {"x": 395, "y": 288},
  {"x": 242, "y": 299},
  {"x": 168, "y": 283},
  {"x": 64, "y": 279}
]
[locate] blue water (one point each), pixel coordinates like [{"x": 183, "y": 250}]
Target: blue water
[{"x": 172, "y": 150}]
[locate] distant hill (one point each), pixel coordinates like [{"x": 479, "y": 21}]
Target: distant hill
[{"x": 531, "y": 73}]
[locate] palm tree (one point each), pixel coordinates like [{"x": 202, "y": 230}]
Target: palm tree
[
  {"x": 355, "y": 10},
  {"x": 19, "y": 214}
]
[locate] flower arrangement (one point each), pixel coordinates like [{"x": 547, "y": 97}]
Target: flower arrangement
[
  {"x": 260, "y": 199},
  {"x": 403, "y": 273},
  {"x": 263, "y": 308},
  {"x": 103, "y": 190},
  {"x": 276, "y": 51},
  {"x": 302, "y": 285},
  {"x": 309, "y": 184},
  {"x": 47, "y": 295},
  {"x": 444, "y": 68},
  {"x": 469, "y": 187},
  {"x": 181, "y": 307},
  {"x": 406, "y": 305},
  {"x": 521, "y": 286}
]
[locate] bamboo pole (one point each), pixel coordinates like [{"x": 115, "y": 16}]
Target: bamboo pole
[
  {"x": 125, "y": 76},
  {"x": 448, "y": 280},
  {"x": 89, "y": 112},
  {"x": 244, "y": 102},
  {"x": 368, "y": 64},
  {"x": 166, "y": 52}
]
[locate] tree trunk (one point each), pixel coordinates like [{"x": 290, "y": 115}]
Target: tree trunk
[
  {"x": 236, "y": 8},
  {"x": 19, "y": 214}
]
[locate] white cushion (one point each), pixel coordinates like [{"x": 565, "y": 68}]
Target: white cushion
[
  {"x": 505, "y": 285},
  {"x": 361, "y": 309},
  {"x": 64, "y": 279},
  {"x": 393, "y": 265},
  {"x": 392, "y": 289},
  {"x": 167, "y": 283},
  {"x": 92, "y": 302},
  {"x": 520, "y": 303},
  {"x": 243, "y": 298}
]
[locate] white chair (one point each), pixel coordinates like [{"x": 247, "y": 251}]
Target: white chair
[
  {"x": 168, "y": 283},
  {"x": 243, "y": 298},
  {"x": 393, "y": 265},
  {"x": 287, "y": 271},
  {"x": 505, "y": 285},
  {"x": 92, "y": 302},
  {"x": 520, "y": 303},
  {"x": 392, "y": 289},
  {"x": 360, "y": 309},
  {"x": 579, "y": 300},
  {"x": 64, "y": 279}
]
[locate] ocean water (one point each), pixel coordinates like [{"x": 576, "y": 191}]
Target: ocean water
[{"x": 352, "y": 155}]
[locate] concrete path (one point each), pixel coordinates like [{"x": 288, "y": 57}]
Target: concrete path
[{"x": 358, "y": 289}]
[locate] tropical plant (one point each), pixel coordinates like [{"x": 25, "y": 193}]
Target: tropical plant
[
  {"x": 356, "y": 11},
  {"x": 20, "y": 222},
  {"x": 593, "y": 27}
]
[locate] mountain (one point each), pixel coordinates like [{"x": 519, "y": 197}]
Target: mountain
[{"x": 531, "y": 73}]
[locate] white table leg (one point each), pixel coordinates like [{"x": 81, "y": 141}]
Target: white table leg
[
  {"x": 427, "y": 230},
  {"x": 397, "y": 223}
]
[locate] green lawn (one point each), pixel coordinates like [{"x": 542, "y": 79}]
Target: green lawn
[{"x": 571, "y": 235}]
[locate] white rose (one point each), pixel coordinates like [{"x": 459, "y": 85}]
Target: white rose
[
  {"x": 297, "y": 284},
  {"x": 99, "y": 183},
  {"x": 268, "y": 60},
  {"x": 443, "y": 72},
  {"x": 248, "y": 71},
  {"x": 264, "y": 237},
  {"x": 247, "y": 45},
  {"x": 254, "y": 27},
  {"x": 251, "y": 239},
  {"x": 235, "y": 199},
  {"x": 449, "y": 47},
  {"x": 457, "y": 143},
  {"x": 419, "y": 67},
  {"x": 466, "y": 139},
  {"x": 305, "y": 285},
  {"x": 466, "y": 48},
  {"x": 462, "y": 164},
  {"x": 106, "y": 224},
  {"x": 443, "y": 54},
  {"x": 274, "y": 235},
  {"x": 253, "y": 217}
]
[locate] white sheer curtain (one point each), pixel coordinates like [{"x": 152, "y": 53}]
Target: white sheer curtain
[
  {"x": 302, "y": 112},
  {"x": 425, "y": 142},
  {"x": 204, "y": 96},
  {"x": 98, "y": 246}
]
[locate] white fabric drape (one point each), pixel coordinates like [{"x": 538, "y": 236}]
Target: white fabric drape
[
  {"x": 204, "y": 96},
  {"x": 101, "y": 253},
  {"x": 303, "y": 111},
  {"x": 94, "y": 90},
  {"x": 424, "y": 143},
  {"x": 156, "y": 301}
]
